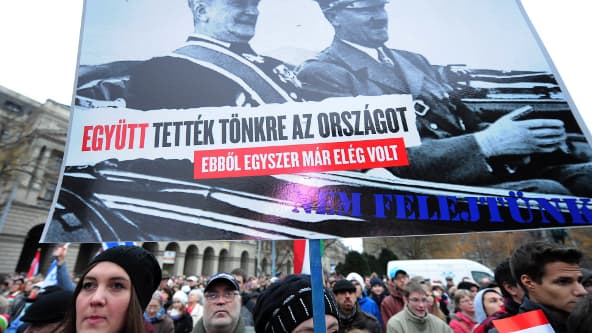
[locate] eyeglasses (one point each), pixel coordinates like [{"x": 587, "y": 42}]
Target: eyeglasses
[
  {"x": 418, "y": 300},
  {"x": 226, "y": 296}
]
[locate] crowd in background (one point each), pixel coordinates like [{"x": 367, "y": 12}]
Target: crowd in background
[{"x": 234, "y": 302}]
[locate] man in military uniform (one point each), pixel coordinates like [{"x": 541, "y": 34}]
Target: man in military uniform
[
  {"x": 457, "y": 147},
  {"x": 216, "y": 66}
]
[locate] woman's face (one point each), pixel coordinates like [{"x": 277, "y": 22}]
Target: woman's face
[
  {"x": 153, "y": 308},
  {"x": 192, "y": 298},
  {"x": 377, "y": 289},
  {"x": 102, "y": 303},
  {"x": 466, "y": 305},
  {"x": 492, "y": 302}
]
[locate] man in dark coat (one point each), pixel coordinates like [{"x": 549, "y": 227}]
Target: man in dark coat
[
  {"x": 457, "y": 147},
  {"x": 550, "y": 276},
  {"x": 216, "y": 66},
  {"x": 350, "y": 314}
]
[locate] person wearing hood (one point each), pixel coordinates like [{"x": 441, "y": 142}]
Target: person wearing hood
[
  {"x": 350, "y": 313},
  {"x": 156, "y": 316},
  {"x": 487, "y": 302},
  {"x": 415, "y": 317},
  {"x": 366, "y": 303}
]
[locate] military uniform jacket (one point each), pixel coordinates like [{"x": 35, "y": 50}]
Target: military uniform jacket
[
  {"x": 205, "y": 72},
  {"x": 449, "y": 152}
]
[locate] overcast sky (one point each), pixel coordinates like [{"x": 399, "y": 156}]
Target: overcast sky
[{"x": 40, "y": 42}]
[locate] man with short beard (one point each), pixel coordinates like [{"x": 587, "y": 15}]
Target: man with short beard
[
  {"x": 350, "y": 314},
  {"x": 215, "y": 67}
]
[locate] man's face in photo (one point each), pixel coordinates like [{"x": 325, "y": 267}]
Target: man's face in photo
[
  {"x": 560, "y": 286},
  {"x": 366, "y": 26},
  {"x": 231, "y": 20}
]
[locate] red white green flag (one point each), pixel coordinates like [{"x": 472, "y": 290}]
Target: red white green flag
[
  {"x": 34, "y": 269},
  {"x": 528, "y": 322},
  {"x": 302, "y": 257}
]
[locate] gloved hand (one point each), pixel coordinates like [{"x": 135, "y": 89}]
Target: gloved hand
[{"x": 522, "y": 137}]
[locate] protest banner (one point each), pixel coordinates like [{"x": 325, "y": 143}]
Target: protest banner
[{"x": 292, "y": 126}]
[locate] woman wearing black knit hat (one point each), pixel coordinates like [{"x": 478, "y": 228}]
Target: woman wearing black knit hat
[
  {"x": 286, "y": 306},
  {"x": 113, "y": 292}
]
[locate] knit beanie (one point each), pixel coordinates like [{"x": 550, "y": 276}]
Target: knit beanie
[
  {"x": 141, "y": 266},
  {"x": 353, "y": 276},
  {"x": 49, "y": 307},
  {"x": 286, "y": 304},
  {"x": 374, "y": 281},
  {"x": 343, "y": 285}
]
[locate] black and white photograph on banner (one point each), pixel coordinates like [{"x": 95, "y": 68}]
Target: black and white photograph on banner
[{"x": 424, "y": 118}]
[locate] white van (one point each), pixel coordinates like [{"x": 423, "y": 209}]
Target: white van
[{"x": 440, "y": 269}]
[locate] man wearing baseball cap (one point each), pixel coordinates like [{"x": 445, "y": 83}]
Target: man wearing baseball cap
[
  {"x": 222, "y": 307},
  {"x": 395, "y": 302},
  {"x": 458, "y": 146}
]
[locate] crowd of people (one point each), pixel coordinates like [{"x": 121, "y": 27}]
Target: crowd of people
[{"x": 124, "y": 290}]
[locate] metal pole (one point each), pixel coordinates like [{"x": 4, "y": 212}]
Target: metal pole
[
  {"x": 316, "y": 281},
  {"x": 257, "y": 260},
  {"x": 273, "y": 258}
]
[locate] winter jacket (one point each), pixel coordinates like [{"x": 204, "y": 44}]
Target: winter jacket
[{"x": 408, "y": 322}]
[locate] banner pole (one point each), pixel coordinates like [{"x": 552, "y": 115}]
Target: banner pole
[{"x": 316, "y": 281}]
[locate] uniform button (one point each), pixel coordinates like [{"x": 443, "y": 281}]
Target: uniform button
[{"x": 434, "y": 126}]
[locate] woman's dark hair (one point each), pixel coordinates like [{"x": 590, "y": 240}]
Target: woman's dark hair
[{"x": 134, "y": 320}]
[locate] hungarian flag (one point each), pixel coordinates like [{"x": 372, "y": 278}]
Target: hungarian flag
[
  {"x": 528, "y": 322},
  {"x": 302, "y": 257},
  {"x": 34, "y": 269}
]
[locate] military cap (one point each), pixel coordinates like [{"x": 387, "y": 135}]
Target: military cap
[{"x": 327, "y": 5}]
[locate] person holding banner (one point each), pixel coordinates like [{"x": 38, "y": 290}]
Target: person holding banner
[
  {"x": 457, "y": 146},
  {"x": 216, "y": 66},
  {"x": 62, "y": 276},
  {"x": 114, "y": 291}
]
